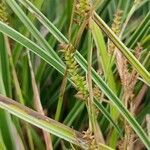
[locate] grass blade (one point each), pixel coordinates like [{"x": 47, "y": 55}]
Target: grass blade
[
  {"x": 5, "y": 65},
  {"x": 102, "y": 109},
  {"x": 32, "y": 46},
  {"x": 42, "y": 122},
  {"x": 6, "y": 125},
  {"x": 100, "y": 44},
  {"x": 138, "y": 34},
  {"x": 2, "y": 144}
]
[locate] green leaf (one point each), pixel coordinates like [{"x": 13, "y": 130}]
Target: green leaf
[
  {"x": 2, "y": 144},
  {"x": 103, "y": 110},
  {"x": 5, "y": 66},
  {"x": 42, "y": 122},
  {"x": 32, "y": 46},
  {"x": 103, "y": 54},
  {"x": 6, "y": 125},
  {"x": 139, "y": 32}
]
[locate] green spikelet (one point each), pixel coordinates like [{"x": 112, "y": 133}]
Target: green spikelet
[
  {"x": 83, "y": 10},
  {"x": 73, "y": 70},
  {"x": 83, "y": 7},
  {"x": 3, "y": 13},
  {"x": 116, "y": 26}
]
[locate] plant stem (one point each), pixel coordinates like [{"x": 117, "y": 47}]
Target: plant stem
[
  {"x": 61, "y": 95},
  {"x": 38, "y": 104}
]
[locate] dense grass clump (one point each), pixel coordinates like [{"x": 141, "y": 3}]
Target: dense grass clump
[{"x": 74, "y": 74}]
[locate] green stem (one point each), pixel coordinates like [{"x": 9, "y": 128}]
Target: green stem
[
  {"x": 61, "y": 95},
  {"x": 91, "y": 108}
]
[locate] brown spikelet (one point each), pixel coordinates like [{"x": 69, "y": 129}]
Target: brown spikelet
[
  {"x": 97, "y": 92},
  {"x": 138, "y": 51},
  {"x": 128, "y": 79},
  {"x": 88, "y": 136},
  {"x": 122, "y": 63},
  {"x": 134, "y": 74}
]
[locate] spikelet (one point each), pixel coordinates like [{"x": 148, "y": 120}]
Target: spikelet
[
  {"x": 116, "y": 27},
  {"x": 89, "y": 137},
  {"x": 97, "y": 92},
  {"x": 130, "y": 132},
  {"x": 83, "y": 11},
  {"x": 133, "y": 75},
  {"x": 117, "y": 22},
  {"x": 138, "y": 50},
  {"x": 122, "y": 64},
  {"x": 3, "y": 13},
  {"x": 73, "y": 70}
]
